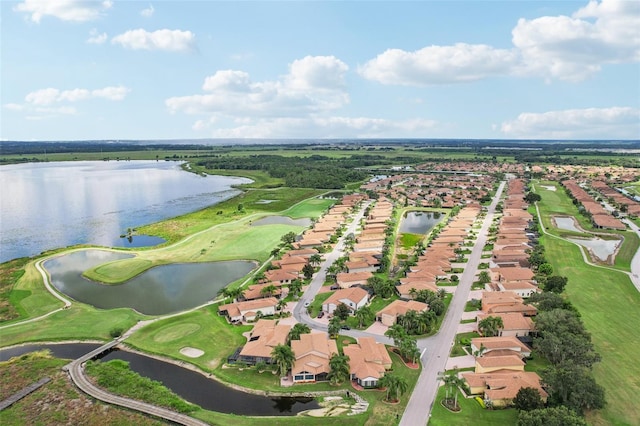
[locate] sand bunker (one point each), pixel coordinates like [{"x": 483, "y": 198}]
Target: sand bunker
[{"x": 191, "y": 352}]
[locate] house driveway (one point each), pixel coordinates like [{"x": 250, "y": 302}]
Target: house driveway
[
  {"x": 377, "y": 328},
  {"x": 465, "y": 361},
  {"x": 466, "y": 328},
  {"x": 469, "y": 315},
  {"x": 448, "y": 288},
  {"x": 475, "y": 294}
]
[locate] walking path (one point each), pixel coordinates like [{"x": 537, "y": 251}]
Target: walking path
[
  {"x": 23, "y": 392},
  {"x": 435, "y": 349}
]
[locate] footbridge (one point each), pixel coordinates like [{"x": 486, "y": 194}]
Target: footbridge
[{"x": 76, "y": 372}]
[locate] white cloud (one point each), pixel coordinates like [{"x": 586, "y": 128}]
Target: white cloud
[
  {"x": 560, "y": 47},
  {"x": 112, "y": 93},
  {"x": 313, "y": 85},
  {"x": 589, "y": 123},
  {"x": 50, "y": 95},
  {"x": 13, "y": 107},
  {"x": 96, "y": 38},
  {"x": 439, "y": 64},
  {"x": 329, "y": 127},
  {"x": 65, "y": 10},
  {"x": 169, "y": 40},
  {"x": 148, "y": 12},
  {"x": 43, "y": 96},
  {"x": 573, "y": 48}
]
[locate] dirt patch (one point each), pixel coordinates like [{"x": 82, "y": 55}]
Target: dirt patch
[{"x": 192, "y": 352}]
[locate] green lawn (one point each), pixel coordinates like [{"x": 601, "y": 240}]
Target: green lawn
[
  {"x": 470, "y": 414},
  {"x": 608, "y": 304},
  {"x": 203, "y": 329},
  {"x": 80, "y": 322}
]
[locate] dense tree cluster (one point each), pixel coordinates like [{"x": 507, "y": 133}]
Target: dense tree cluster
[
  {"x": 316, "y": 171},
  {"x": 563, "y": 340}
]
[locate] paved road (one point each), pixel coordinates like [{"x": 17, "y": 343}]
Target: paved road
[
  {"x": 300, "y": 312},
  {"x": 635, "y": 262},
  {"x": 436, "y": 348}
]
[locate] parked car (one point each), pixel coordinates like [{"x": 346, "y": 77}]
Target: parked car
[
  {"x": 306, "y": 304},
  {"x": 334, "y": 287},
  {"x": 320, "y": 314},
  {"x": 345, "y": 327}
]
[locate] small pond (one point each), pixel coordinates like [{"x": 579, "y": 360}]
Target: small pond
[
  {"x": 599, "y": 248},
  {"x": 281, "y": 220},
  {"x": 566, "y": 223},
  {"x": 158, "y": 291},
  {"x": 190, "y": 385},
  {"x": 419, "y": 222},
  {"x": 131, "y": 241}
]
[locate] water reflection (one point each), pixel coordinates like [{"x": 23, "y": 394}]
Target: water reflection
[
  {"x": 419, "y": 222},
  {"x": 51, "y": 205},
  {"x": 158, "y": 291},
  {"x": 190, "y": 385}
]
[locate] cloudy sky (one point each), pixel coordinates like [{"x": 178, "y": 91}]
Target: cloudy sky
[{"x": 76, "y": 69}]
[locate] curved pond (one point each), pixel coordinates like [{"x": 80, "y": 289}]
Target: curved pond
[
  {"x": 158, "y": 291},
  {"x": 281, "y": 220},
  {"x": 566, "y": 223},
  {"x": 599, "y": 248},
  {"x": 419, "y": 222},
  {"x": 190, "y": 385}
]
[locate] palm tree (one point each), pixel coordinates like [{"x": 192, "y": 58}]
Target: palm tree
[
  {"x": 268, "y": 290},
  {"x": 315, "y": 259},
  {"x": 296, "y": 286},
  {"x": 490, "y": 326},
  {"x": 484, "y": 277},
  {"x": 363, "y": 315},
  {"x": 409, "y": 321},
  {"x": 397, "y": 333},
  {"x": 233, "y": 293},
  {"x": 334, "y": 327},
  {"x": 281, "y": 304},
  {"x": 339, "y": 369},
  {"x": 283, "y": 357},
  {"x": 396, "y": 386},
  {"x": 408, "y": 349},
  {"x": 296, "y": 331}
]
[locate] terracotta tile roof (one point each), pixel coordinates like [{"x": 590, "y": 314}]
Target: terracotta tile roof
[
  {"x": 367, "y": 358},
  {"x": 401, "y": 307},
  {"x": 270, "y": 334},
  {"x": 505, "y": 384},
  {"x": 353, "y": 294},
  {"x": 313, "y": 352},
  {"x": 500, "y": 361}
]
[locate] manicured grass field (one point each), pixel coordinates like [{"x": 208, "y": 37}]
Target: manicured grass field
[
  {"x": 558, "y": 203},
  {"x": 80, "y": 322},
  {"x": 470, "y": 414},
  {"x": 608, "y": 304},
  {"x": 203, "y": 329}
]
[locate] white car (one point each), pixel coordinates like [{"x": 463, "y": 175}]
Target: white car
[{"x": 306, "y": 304}]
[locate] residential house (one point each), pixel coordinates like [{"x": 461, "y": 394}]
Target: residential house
[
  {"x": 349, "y": 279},
  {"x": 247, "y": 311},
  {"x": 313, "y": 352},
  {"x": 368, "y": 361},
  {"x": 354, "y": 298},
  {"x": 266, "y": 335},
  {"x": 389, "y": 315}
]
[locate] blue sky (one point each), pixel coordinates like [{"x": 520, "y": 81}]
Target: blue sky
[{"x": 74, "y": 70}]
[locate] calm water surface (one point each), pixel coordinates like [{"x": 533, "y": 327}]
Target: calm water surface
[
  {"x": 50, "y": 205},
  {"x": 419, "y": 222},
  {"x": 158, "y": 291},
  {"x": 190, "y": 385}
]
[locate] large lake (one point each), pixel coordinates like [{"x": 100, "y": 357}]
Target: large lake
[{"x": 50, "y": 205}]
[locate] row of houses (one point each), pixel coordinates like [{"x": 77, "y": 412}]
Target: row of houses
[
  {"x": 368, "y": 360},
  {"x": 631, "y": 206},
  {"x": 499, "y": 361},
  {"x": 435, "y": 263},
  {"x": 600, "y": 218},
  {"x": 368, "y": 246}
]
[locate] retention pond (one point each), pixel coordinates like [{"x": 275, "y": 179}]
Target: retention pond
[
  {"x": 160, "y": 290},
  {"x": 190, "y": 385}
]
